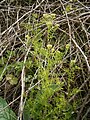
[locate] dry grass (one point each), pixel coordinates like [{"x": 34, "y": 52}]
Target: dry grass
[{"x": 74, "y": 28}]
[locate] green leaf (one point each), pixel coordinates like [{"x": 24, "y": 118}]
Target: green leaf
[
  {"x": 7, "y": 113},
  {"x": 72, "y": 63},
  {"x": 11, "y": 79},
  {"x": 68, "y": 8},
  {"x": 54, "y": 86}
]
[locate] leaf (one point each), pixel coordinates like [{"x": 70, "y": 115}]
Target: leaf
[
  {"x": 68, "y": 7},
  {"x": 67, "y": 46},
  {"x": 54, "y": 86},
  {"x": 7, "y": 113},
  {"x": 58, "y": 55},
  {"x": 11, "y": 79},
  {"x": 72, "y": 63}
]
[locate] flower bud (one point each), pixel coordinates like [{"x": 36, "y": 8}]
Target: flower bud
[
  {"x": 67, "y": 46},
  {"x": 27, "y": 37},
  {"x": 49, "y": 46}
]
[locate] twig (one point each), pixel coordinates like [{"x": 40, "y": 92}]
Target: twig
[
  {"x": 71, "y": 38},
  {"x": 23, "y": 84},
  {"x": 73, "y": 97},
  {"x": 21, "y": 18},
  {"x": 2, "y": 1},
  {"x": 83, "y": 105},
  {"x": 82, "y": 54}
]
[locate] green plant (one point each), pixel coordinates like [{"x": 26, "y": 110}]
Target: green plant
[
  {"x": 46, "y": 62},
  {"x": 49, "y": 100},
  {"x": 6, "y": 113}
]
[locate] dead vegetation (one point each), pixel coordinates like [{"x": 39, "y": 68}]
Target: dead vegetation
[{"x": 73, "y": 18}]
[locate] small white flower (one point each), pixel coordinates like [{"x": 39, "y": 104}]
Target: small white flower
[
  {"x": 27, "y": 37},
  {"x": 49, "y": 46}
]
